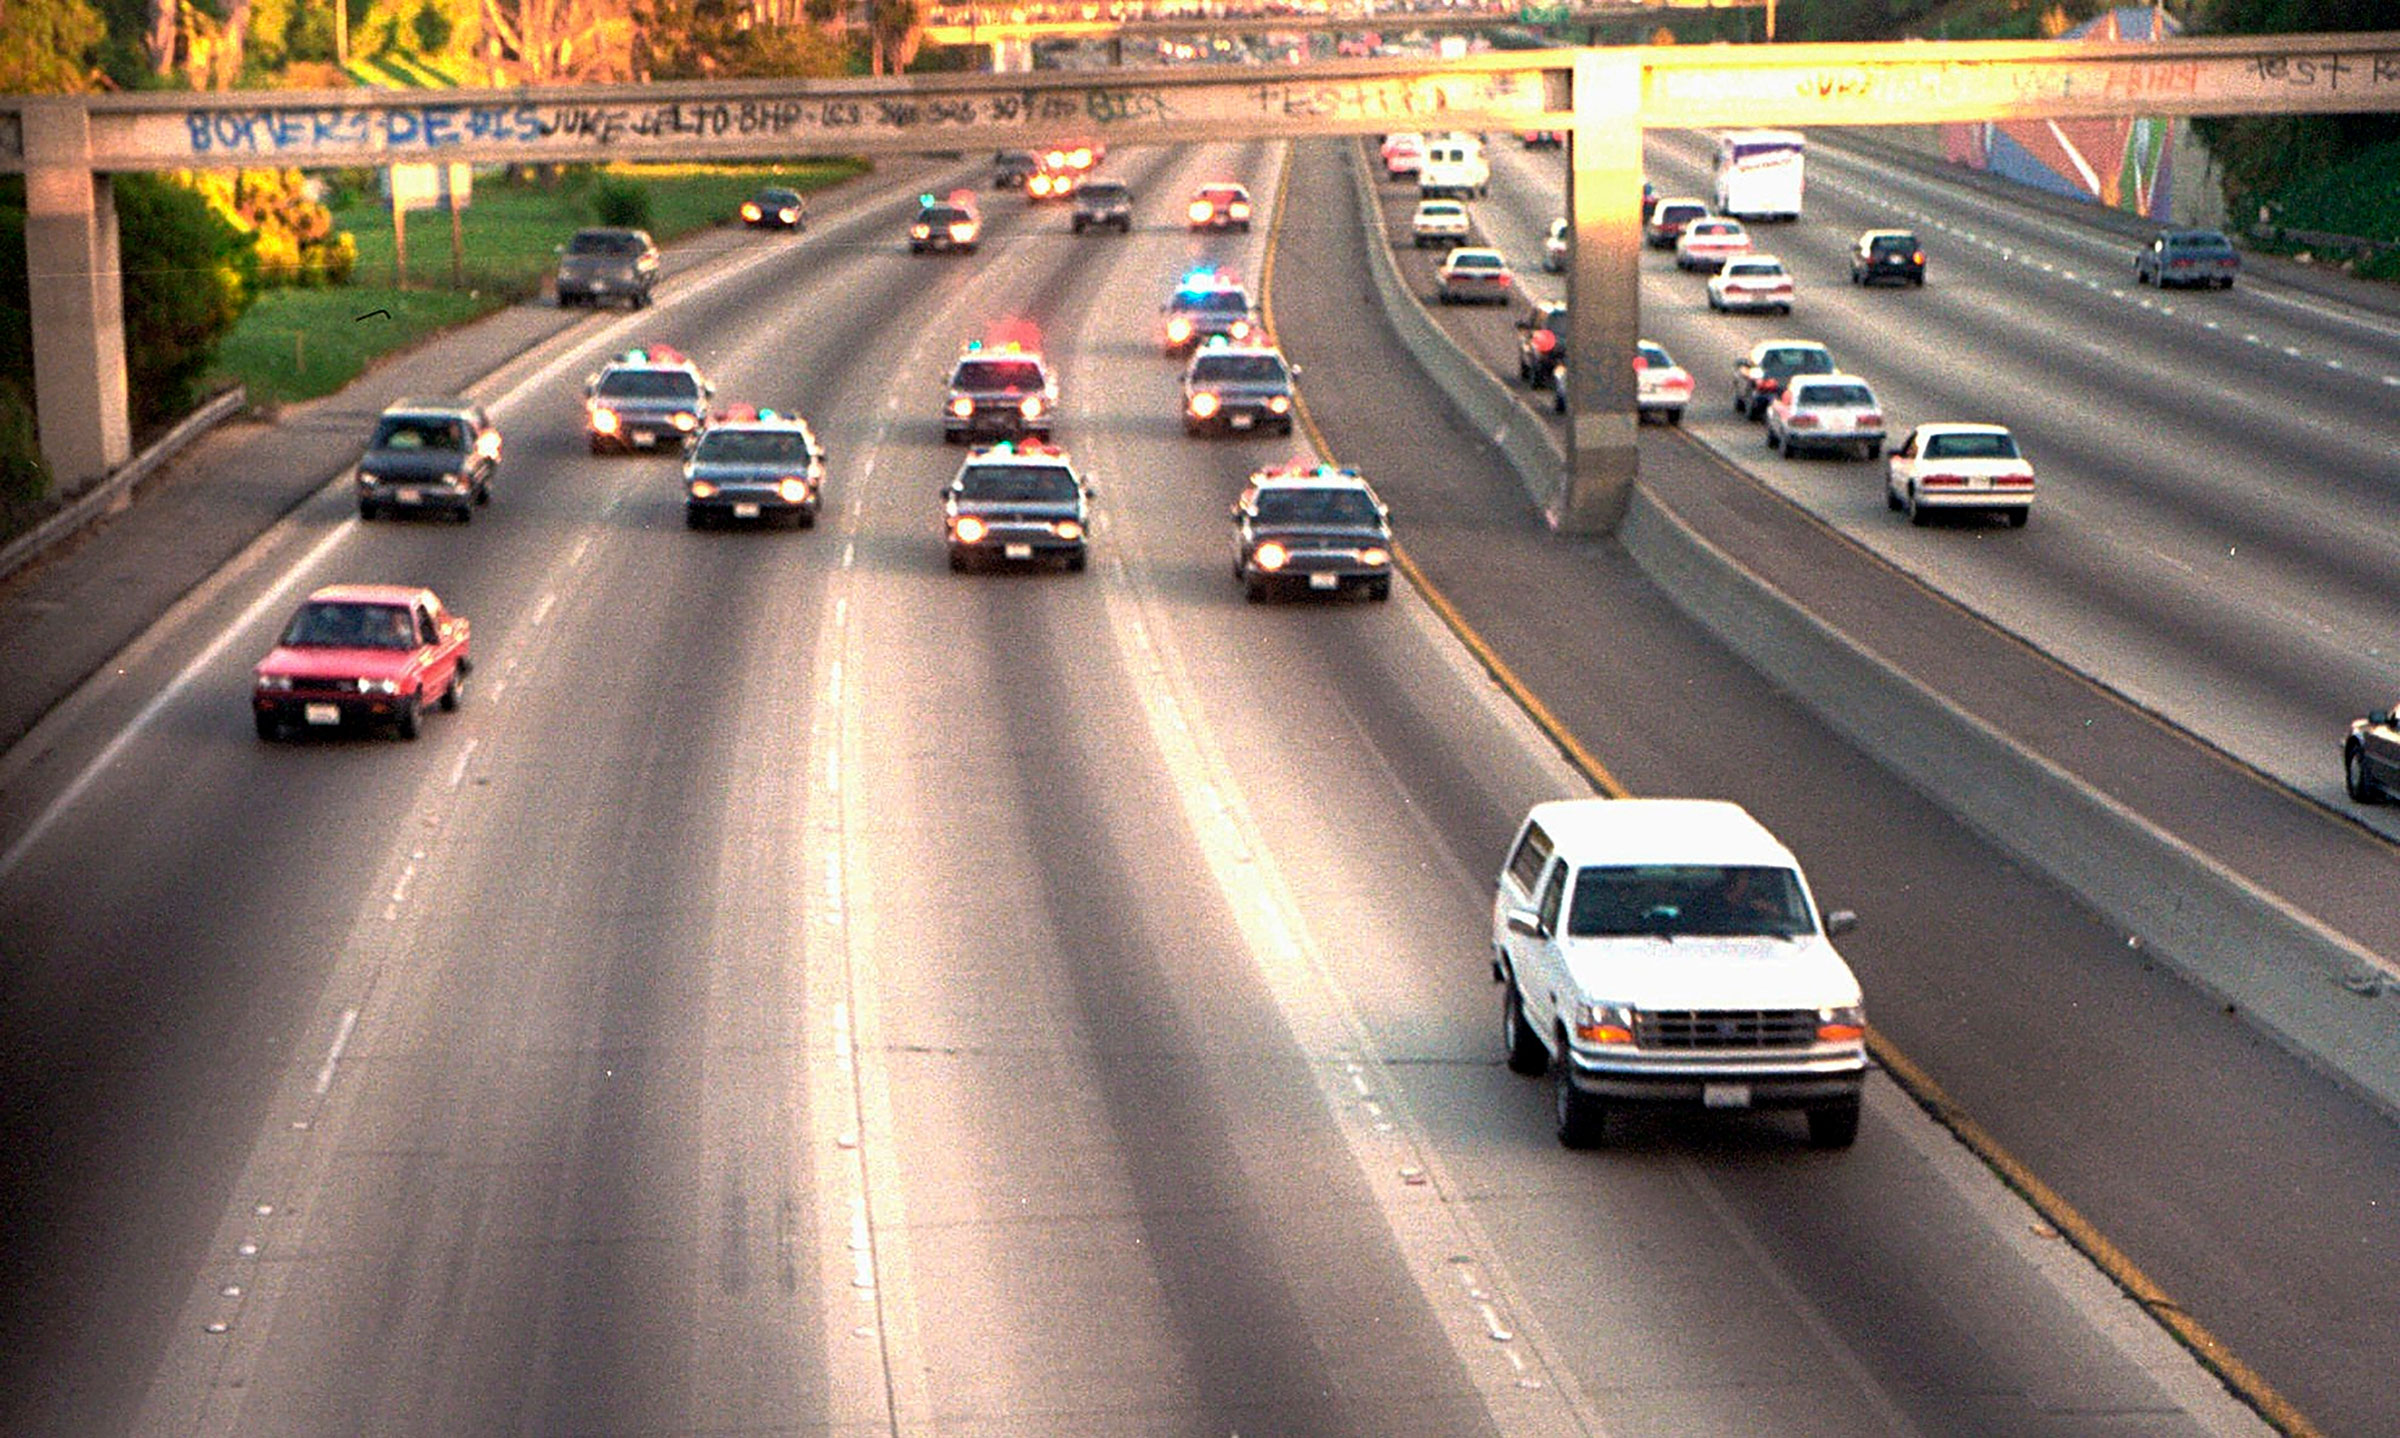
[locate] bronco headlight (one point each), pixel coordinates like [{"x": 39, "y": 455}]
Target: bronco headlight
[
  {"x": 1844, "y": 1025},
  {"x": 1602, "y": 1023}
]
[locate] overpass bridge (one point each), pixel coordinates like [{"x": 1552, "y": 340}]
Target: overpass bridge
[{"x": 67, "y": 147}]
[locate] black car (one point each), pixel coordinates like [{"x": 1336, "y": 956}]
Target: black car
[
  {"x": 2371, "y": 757},
  {"x": 1012, "y": 168},
  {"x": 753, "y": 464},
  {"x": 1541, "y": 344},
  {"x": 1103, "y": 203},
  {"x": 427, "y": 455},
  {"x": 602, "y": 263},
  {"x": 1017, "y": 503},
  {"x": 1887, "y": 255},
  {"x": 776, "y": 209},
  {"x": 1315, "y": 529},
  {"x": 1205, "y": 308},
  {"x": 1007, "y": 391},
  {"x": 1760, "y": 375},
  {"x": 1232, "y": 388}
]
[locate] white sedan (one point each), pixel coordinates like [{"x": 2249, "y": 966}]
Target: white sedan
[
  {"x": 1751, "y": 283},
  {"x": 1825, "y": 411},
  {"x": 1477, "y": 275},
  {"x": 1661, "y": 386},
  {"x": 1441, "y": 222},
  {"x": 1959, "y": 466},
  {"x": 1707, "y": 244}
]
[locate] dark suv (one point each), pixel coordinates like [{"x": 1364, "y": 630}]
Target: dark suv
[
  {"x": 429, "y": 454},
  {"x": 598, "y": 264},
  {"x": 1103, "y": 202},
  {"x": 1887, "y": 255}
]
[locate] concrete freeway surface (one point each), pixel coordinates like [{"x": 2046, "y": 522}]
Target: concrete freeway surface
[{"x": 811, "y": 991}]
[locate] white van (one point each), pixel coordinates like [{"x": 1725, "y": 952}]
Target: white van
[
  {"x": 1453, "y": 168},
  {"x": 1761, "y": 174},
  {"x": 1668, "y": 953}
]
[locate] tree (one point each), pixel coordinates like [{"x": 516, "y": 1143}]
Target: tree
[
  {"x": 188, "y": 276},
  {"x": 544, "y": 40},
  {"x": 47, "y": 47}
]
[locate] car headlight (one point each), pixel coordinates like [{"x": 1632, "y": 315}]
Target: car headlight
[
  {"x": 1205, "y": 404},
  {"x": 1844, "y": 1025},
  {"x": 453, "y": 480},
  {"x": 961, "y": 233},
  {"x": 962, "y": 406},
  {"x": 750, "y": 210},
  {"x": 1239, "y": 210},
  {"x": 1375, "y": 557},
  {"x": 1032, "y": 407},
  {"x": 1179, "y": 329},
  {"x": 1270, "y": 555},
  {"x": 969, "y": 530},
  {"x": 794, "y": 491},
  {"x": 921, "y": 232},
  {"x": 788, "y": 215},
  {"x": 684, "y": 420},
  {"x": 604, "y": 421},
  {"x": 1239, "y": 329},
  {"x": 1068, "y": 528},
  {"x": 703, "y": 489},
  {"x": 378, "y": 686},
  {"x": 1602, "y": 1023},
  {"x": 1278, "y": 403},
  {"x": 275, "y": 683},
  {"x": 1200, "y": 211}
]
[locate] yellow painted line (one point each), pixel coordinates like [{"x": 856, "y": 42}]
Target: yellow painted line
[{"x": 2245, "y": 1382}]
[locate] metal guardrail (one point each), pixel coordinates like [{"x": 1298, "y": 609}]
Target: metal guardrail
[{"x": 111, "y": 492}]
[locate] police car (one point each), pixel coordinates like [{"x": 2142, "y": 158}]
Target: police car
[
  {"x": 1004, "y": 391},
  {"x": 1312, "y": 528},
  {"x": 1206, "y": 305},
  {"x": 752, "y": 463},
  {"x": 1229, "y": 387},
  {"x": 1017, "y": 502},
  {"x": 946, "y": 224},
  {"x": 644, "y": 397}
]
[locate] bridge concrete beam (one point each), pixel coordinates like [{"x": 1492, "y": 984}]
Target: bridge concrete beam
[
  {"x": 76, "y": 296},
  {"x": 1604, "y": 272}
]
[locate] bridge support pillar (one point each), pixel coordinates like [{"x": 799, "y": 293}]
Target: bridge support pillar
[
  {"x": 77, "y": 298},
  {"x": 1604, "y": 280}
]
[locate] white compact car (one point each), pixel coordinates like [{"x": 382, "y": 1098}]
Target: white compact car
[
  {"x": 1975, "y": 467},
  {"x": 1667, "y": 953},
  {"x": 1556, "y": 246},
  {"x": 1441, "y": 222},
  {"x": 1825, "y": 412},
  {"x": 1751, "y": 283}
]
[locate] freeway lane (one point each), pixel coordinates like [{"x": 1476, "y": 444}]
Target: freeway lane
[{"x": 809, "y": 989}]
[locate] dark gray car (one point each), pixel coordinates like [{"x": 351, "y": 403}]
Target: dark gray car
[
  {"x": 1103, "y": 203},
  {"x": 428, "y": 455},
  {"x": 600, "y": 264},
  {"x": 2188, "y": 257},
  {"x": 1320, "y": 530},
  {"x": 1231, "y": 388}
]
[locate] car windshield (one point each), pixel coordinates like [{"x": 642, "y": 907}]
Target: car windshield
[
  {"x": 751, "y": 446},
  {"x": 1675, "y": 900},
  {"x": 1016, "y": 482},
  {"x": 1105, "y": 190},
  {"x": 336, "y": 625},
  {"x": 779, "y": 197},
  {"x": 604, "y": 242},
  {"x": 650, "y": 384},
  {"x": 1894, "y": 244},
  {"x": 2199, "y": 242},
  {"x": 419, "y": 432},
  {"x": 1756, "y": 269},
  {"x": 1653, "y": 357},
  {"x": 997, "y": 374},
  {"x": 942, "y": 215},
  {"x": 1349, "y": 507},
  {"x": 1470, "y": 260},
  {"x": 1238, "y": 369},
  {"x": 1970, "y": 446},
  {"x": 1223, "y": 197},
  {"x": 1834, "y": 396}
]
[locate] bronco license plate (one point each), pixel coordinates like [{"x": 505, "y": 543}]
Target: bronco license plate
[{"x": 1725, "y": 1095}]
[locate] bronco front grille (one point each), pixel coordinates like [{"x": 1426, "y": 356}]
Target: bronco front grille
[{"x": 1725, "y": 1028}]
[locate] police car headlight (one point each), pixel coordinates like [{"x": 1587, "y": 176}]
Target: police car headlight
[
  {"x": 794, "y": 491},
  {"x": 1205, "y": 404},
  {"x": 921, "y": 232},
  {"x": 1270, "y": 555},
  {"x": 1375, "y": 558},
  {"x": 604, "y": 421},
  {"x": 961, "y": 233},
  {"x": 962, "y": 406},
  {"x": 1067, "y": 529},
  {"x": 1278, "y": 403},
  {"x": 1032, "y": 407},
  {"x": 702, "y": 489},
  {"x": 452, "y": 480},
  {"x": 1179, "y": 329},
  {"x": 1240, "y": 329},
  {"x": 685, "y": 421},
  {"x": 969, "y": 529}
]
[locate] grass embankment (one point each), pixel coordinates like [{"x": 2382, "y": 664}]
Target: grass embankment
[{"x": 297, "y": 344}]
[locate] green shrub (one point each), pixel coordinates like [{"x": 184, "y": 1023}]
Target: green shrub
[
  {"x": 189, "y": 274},
  {"x": 620, "y": 201}
]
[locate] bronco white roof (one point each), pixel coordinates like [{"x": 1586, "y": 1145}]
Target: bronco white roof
[{"x": 1615, "y": 832}]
